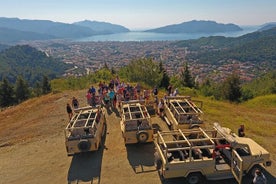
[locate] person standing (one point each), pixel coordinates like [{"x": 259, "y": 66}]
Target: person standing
[
  {"x": 161, "y": 107},
  {"x": 75, "y": 103},
  {"x": 92, "y": 90},
  {"x": 88, "y": 97},
  {"x": 155, "y": 91},
  {"x": 69, "y": 111},
  {"x": 175, "y": 93},
  {"x": 111, "y": 96},
  {"x": 156, "y": 103}
]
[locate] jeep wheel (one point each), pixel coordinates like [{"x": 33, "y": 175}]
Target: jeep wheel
[
  {"x": 195, "y": 178},
  {"x": 84, "y": 145},
  {"x": 142, "y": 136}
]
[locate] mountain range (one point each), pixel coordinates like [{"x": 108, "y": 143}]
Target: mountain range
[
  {"x": 14, "y": 30},
  {"x": 102, "y": 27},
  {"x": 267, "y": 26},
  {"x": 195, "y": 26}
]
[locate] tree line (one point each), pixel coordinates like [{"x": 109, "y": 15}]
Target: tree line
[
  {"x": 148, "y": 73},
  {"x": 12, "y": 94}
]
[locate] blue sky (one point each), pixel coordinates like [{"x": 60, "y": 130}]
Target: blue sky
[{"x": 138, "y": 14}]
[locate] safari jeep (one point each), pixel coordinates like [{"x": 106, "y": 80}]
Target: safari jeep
[
  {"x": 212, "y": 154},
  {"x": 181, "y": 112},
  {"x": 135, "y": 122},
  {"x": 85, "y": 130}
]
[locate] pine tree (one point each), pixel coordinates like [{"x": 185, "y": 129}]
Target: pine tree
[
  {"x": 37, "y": 89},
  {"x": 165, "y": 81},
  {"x": 46, "y": 86},
  {"x": 105, "y": 66},
  {"x": 186, "y": 77},
  {"x": 6, "y": 93},
  {"x": 206, "y": 88},
  {"x": 22, "y": 91},
  {"x": 231, "y": 88}
]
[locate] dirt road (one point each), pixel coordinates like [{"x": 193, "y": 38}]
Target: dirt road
[{"x": 32, "y": 149}]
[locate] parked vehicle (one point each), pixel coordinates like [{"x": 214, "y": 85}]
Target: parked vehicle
[
  {"x": 135, "y": 122},
  {"x": 212, "y": 154},
  {"x": 85, "y": 130},
  {"x": 181, "y": 112}
]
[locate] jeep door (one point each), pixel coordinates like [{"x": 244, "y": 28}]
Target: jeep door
[{"x": 236, "y": 166}]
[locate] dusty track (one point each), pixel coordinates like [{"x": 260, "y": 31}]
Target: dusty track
[{"x": 32, "y": 149}]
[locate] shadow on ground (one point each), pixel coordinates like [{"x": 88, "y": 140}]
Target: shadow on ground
[
  {"x": 141, "y": 157},
  {"x": 86, "y": 167}
]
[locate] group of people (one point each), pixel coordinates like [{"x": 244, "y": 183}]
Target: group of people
[{"x": 113, "y": 93}]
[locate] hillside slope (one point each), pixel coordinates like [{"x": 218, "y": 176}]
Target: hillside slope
[
  {"x": 30, "y": 63},
  {"x": 32, "y": 141}
]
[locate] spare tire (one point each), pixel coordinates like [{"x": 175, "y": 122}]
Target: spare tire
[
  {"x": 142, "y": 136},
  {"x": 84, "y": 145}
]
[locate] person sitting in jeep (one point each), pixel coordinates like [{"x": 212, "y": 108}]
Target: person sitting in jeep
[{"x": 259, "y": 177}]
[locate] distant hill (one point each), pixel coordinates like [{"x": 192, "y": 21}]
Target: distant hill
[
  {"x": 255, "y": 47},
  {"x": 14, "y": 29},
  {"x": 30, "y": 63},
  {"x": 267, "y": 26},
  {"x": 219, "y": 42},
  {"x": 3, "y": 47},
  {"x": 8, "y": 35},
  {"x": 55, "y": 29},
  {"x": 197, "y": 27},
  {"x": 102, "y": 27}
]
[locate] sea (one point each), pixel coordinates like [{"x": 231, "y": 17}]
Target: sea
[{"x": 150, "y": 36}]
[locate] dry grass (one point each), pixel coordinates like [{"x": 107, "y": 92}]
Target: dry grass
[{"x": 258, "y": 116}]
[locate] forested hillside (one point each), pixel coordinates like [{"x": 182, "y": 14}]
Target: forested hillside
[
  {"x": 30, "y": 63},
  {"x": 254, "y": 47}
]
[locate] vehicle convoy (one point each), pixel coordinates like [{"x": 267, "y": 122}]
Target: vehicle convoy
[
  {"x": 135, "y": 122},
  {"x": 85, "y": 130},
  {"x": 214, "y": 154},
  {"x": 181, "y": 112}
]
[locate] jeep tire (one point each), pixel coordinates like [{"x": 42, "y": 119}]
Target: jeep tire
[
  {"x": 142, "y": 136},
  {"x": 84, "y": 145}
]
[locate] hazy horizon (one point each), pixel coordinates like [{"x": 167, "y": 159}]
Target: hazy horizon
[{"x": 143, "y": 14}]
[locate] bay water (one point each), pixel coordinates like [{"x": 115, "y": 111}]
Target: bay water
[{"x": 150, "y": 36}]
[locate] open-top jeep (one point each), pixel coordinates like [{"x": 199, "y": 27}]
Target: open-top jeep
[
  {"x": 181, "y": 112},
  {"x": 213, "y": 154},
  {"x": 85, "y": 130},
  {"x": 135, "y": 122}
]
